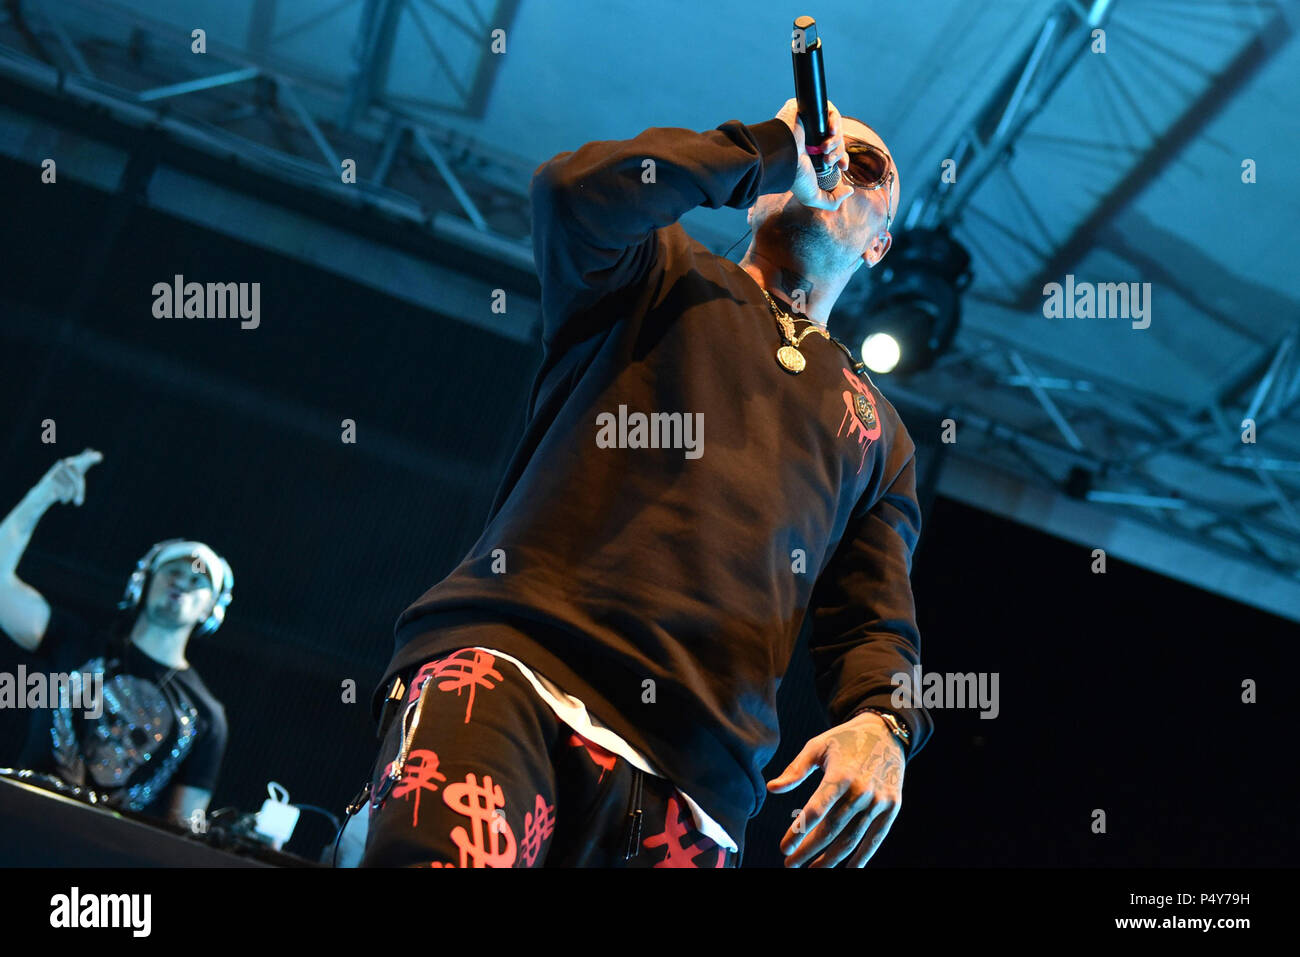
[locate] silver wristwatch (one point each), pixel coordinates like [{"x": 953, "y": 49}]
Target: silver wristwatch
[{"x": 896, "y": 727}]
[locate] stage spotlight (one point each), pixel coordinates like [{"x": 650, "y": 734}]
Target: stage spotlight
[
  {"x": 914, "y": 306},
  {"x": 881, "y": 352}
]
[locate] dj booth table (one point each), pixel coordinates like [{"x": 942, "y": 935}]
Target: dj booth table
[{"x": 39, "y": 828}]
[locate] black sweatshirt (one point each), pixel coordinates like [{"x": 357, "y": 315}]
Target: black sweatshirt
[{"x": 661, "y": 574}]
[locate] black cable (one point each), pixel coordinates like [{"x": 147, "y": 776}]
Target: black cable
[
  {"x": 338, "y": 840},
  {"x": 736, "y": 243},
  {"x": 334, "y": 818},
  {"x": 356, "y": 804}
]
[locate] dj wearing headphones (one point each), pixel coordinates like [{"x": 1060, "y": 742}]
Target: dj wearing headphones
[{"x": 157, "y": 745}]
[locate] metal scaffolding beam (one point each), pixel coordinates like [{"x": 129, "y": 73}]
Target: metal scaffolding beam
[
  {"x": 978, "y": 152},
  {"x": 227, "y": 115}
]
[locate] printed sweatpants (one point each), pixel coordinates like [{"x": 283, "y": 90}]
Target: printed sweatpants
[{"x": 493, "y": 778}]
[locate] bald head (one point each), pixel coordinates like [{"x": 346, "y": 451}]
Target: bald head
[{"x": 813, "y": 252}]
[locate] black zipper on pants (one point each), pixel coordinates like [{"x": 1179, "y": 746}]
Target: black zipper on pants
[{"x": 634, "y": 815}]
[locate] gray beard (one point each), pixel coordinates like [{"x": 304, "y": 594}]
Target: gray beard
[{"x": 809, "y": 240}]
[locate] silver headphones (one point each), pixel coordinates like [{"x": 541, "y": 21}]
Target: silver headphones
[{"x": 144, "y": 568}]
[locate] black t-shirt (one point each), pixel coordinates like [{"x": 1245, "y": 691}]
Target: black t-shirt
[{"x": 159, "y": 727}]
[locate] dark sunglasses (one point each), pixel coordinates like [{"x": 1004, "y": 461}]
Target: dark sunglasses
[{"x": 870, "y": 168}]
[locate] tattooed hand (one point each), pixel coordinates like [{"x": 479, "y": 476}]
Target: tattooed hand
[
  {"x": 805, "y": 188},
  {"x": 860, "y": 794}
]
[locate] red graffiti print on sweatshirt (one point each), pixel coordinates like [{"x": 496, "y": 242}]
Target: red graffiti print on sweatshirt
[
  {"x": 860, "y": 414},
  {"x": 489, "y": 840},
  {"x": 421, "y": 768},
  {"x": 671, "y": 838},
  {"x": 603, "y": 759},
  {"x": 537, "y": 828},
  {"x": 426, "y": 671},
  {"x": 468, "y": 668}
]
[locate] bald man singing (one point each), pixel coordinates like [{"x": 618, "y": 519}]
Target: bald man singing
[{"x": 705, "y": 469}]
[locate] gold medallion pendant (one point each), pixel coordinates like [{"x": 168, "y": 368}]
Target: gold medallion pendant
[{"x": 791, "y": 359}]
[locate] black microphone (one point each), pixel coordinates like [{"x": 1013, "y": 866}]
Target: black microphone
[{"x": 810, "y": 92}]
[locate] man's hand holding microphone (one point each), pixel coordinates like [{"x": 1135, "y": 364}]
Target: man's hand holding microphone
[{"x": 805, "y": 188}]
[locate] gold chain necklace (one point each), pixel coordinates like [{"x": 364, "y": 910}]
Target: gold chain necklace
[{"x": 788, "y": 355}]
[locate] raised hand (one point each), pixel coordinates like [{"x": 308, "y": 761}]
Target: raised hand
[
  {"x": 66, "y": 480},
  {"x": 805, "y": 188}
]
